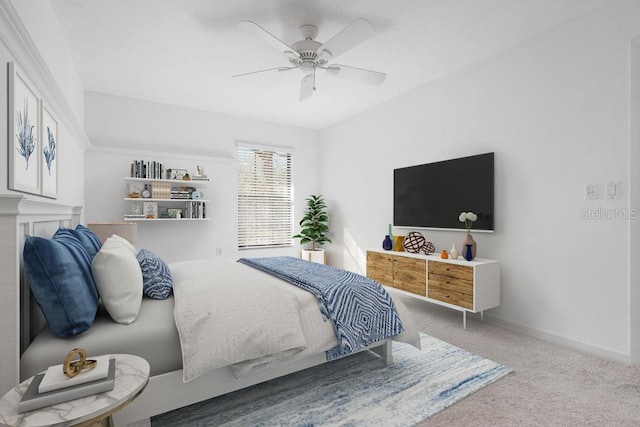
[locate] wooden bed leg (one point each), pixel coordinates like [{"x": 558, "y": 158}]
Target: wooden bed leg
[{"x": 385, "y": 353}]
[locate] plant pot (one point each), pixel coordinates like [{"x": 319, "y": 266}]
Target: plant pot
[{"x": 318, "y": 255}]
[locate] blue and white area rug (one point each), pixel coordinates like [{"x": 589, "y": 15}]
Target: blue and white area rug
[{"x": 355, "y": 391}]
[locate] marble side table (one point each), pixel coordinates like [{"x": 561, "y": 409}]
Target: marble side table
[{"x": 132, "y": 375}]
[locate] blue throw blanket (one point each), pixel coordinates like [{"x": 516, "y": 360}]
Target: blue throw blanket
[{"x": 361, "y": 310}]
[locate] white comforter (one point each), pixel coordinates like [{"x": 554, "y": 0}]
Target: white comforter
[{"x": 229, "y": 314}]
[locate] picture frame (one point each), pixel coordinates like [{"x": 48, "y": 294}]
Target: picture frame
[
  {"x": 177, "y": 173},
  {"x": 150, "y": 210},
  {"x": 48, "y": 152},
  {"x": 174, "y": 212},
  {"x": 135, "y": 190},
  {"x": 24, "y": 124}
]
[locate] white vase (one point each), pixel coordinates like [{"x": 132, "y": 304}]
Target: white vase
[{"x": 453, "y": 253}]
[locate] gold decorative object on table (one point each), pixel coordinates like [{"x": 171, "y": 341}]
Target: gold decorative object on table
[
  {"x": 71, "y": 367},
  {"x": 398, "y": 243}
]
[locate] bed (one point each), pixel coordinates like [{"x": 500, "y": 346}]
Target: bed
[{"x": 158, "y": 333}]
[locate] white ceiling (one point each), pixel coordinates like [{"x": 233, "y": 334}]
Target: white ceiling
[{"x": 184, "y": 52}]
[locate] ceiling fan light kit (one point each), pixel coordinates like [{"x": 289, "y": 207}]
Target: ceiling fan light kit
[{"x": 309, "y": 54}]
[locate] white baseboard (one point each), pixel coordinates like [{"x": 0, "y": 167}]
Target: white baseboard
[{"x": 562, "y": 340}]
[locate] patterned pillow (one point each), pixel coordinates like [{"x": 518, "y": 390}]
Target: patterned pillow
[
  {"x": 59, "y": 275},
  {"x": 156, "y": 276}
]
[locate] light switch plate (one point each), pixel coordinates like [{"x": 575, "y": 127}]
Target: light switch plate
[
  {"x": 590, "y": 191},
  {"x": 613, "y": 189}
]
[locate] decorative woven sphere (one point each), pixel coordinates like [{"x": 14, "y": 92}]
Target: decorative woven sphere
[
  {"x": 415, "y": 243},
  {"x": 428, "y": 248}
]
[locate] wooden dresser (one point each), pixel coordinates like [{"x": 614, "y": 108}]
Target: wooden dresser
[{"x": 467, "y": 286}]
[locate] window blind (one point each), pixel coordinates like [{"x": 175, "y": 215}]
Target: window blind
[{"x": 265, "y": 198}]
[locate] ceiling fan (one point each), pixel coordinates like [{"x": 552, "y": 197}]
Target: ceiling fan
[{"x": 309, "y": 54}]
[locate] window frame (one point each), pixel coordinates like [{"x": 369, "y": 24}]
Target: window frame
[{"x": 280, "y": 215}]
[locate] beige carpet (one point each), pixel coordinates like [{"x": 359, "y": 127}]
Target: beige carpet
[{"x": 550, "y": 385}]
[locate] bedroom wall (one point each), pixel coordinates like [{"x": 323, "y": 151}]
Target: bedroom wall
[
  {"x": 123, "y": 129},
  {"x": 555, "y": 110},
  {"x": 31, "y": 37}
]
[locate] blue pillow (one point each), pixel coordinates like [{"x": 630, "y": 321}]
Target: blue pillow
[
  {"x": 157, "y": 281},
  {"x": 89, "y": 240},
  {"x": 59, "y": 275}
]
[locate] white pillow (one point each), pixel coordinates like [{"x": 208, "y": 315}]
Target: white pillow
[
  {"x": 118, "y": 278},
  {"x": 126, "y": 243}
]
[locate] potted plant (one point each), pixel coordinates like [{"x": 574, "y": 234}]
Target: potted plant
[{"x": 315, "y": 227}]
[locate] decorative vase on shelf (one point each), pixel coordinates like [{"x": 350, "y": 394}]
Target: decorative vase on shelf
[
  {"x": 453, "y": 253},
  {"x": 468, "y": 240},
  {"x": 467, "y": 254},
  {"x": 387, "y": 244}
]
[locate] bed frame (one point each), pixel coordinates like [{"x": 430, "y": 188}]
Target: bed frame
[{"x": 20, "y": 320}]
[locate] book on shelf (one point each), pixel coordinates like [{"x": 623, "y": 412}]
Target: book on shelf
[
  {"x": 147, "y": 169},
  {"x": 195, "y": 210},
  {"x": 32, "y": 400},
  {"x": 134, "y": 216},
  {"x": 55, "y": 379},
  {"x": 161, "y": 190}
]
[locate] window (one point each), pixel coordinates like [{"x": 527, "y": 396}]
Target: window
[{"x": 265, "y": 197}]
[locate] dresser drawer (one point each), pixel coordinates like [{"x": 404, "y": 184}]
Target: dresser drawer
[
  {"x": 451, "y": 278},
  {"x": 380, "y": 268},
  {"x": 400, "y": 272},
  {"x": 458, "y": 272},
  {"x": 410, "y": 275},
  {"x": 455, "y": 285},
  {"x": 450, "y": 296}
]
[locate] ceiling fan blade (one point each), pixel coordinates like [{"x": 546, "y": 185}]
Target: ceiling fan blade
[
  {"x": 263, "y": 71},
  {"x": 352, "y": 35},
  {"x": 265, "y": 35},
  {"x": 307, "y": 86},
  {"x": 360, "y": 74}
]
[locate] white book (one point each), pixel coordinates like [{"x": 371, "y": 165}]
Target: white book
[
  {"x": 55, "y": 379},
  {"x": 32, "y": 400}
]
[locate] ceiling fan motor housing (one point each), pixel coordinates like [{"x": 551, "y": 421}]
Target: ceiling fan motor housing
[{"x": 307, "y": 55}]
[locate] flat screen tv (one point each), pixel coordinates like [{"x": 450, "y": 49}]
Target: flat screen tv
[{"x": 433, "y": 195}]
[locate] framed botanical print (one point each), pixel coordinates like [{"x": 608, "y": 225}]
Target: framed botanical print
[
  {"x": 48, "y": 153},
  {"x": 24, "y": 132}
]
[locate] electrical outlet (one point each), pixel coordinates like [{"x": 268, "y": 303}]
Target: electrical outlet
[{"x": 218, "y": 251}]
